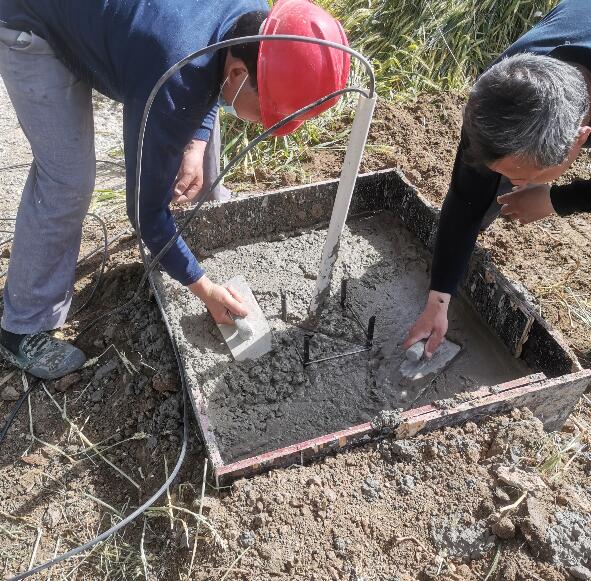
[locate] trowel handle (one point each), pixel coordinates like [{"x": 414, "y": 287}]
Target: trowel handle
[
  {"x": 415, "y": 352},
  {"x": 243, "y": 327}
]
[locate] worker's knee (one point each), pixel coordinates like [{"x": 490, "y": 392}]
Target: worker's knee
[{"x": 67, "y": 193}]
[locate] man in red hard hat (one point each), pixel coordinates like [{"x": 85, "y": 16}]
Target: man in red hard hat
[{"x": 53, "y": 53}]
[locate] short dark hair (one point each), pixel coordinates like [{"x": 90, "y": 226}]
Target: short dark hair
[
  {"x": 527, "y": 105},
  {"x": 248, "y": 24}
]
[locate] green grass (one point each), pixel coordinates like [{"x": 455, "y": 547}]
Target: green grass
[
  {"x": 281, "y": 155},
  {"x": 428, "y": 45},
  {"x": 415, "y": 46}
]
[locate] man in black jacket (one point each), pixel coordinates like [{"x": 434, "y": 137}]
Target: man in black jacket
[{"x": 525, "y": 122}]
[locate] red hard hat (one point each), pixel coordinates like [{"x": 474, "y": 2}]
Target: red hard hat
[{"x": 294, "y": 74}]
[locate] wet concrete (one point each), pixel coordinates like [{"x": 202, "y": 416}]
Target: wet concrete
[{"x": 257, "y": 406}]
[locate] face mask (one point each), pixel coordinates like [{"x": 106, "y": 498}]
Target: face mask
[{"x": 229, "y": 107}]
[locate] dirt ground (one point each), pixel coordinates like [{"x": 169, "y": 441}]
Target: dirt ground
[{"x": 501, "y": 501}]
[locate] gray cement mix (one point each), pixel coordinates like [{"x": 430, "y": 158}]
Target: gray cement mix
[
  {"x": 569, "y": 539},
  {"x": 257, "y": 406},
  {"x": 465, "y": 542}
]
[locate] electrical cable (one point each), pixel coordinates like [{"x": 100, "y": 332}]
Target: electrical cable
[
  {"x": 104, "y": 260},
  {"x": 15, "y": 411},
  {"x": 149, "y": 266}
]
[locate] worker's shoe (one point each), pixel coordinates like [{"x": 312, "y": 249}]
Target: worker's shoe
[{"x": 41, "y": 354}]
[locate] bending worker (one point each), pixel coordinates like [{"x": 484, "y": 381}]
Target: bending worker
[
  {"x": 54, "y": 52},
  {"x": 525, "y": 122}
]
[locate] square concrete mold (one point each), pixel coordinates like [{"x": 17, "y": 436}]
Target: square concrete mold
[{"x": 272, "y": 412}]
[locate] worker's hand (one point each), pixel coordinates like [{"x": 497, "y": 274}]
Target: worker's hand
[
  {"x": 527, "y": 203},
  {"x": 219, "y": 300},
  {"x": 189, "y": 179},
  {"x": 432, "y": 324}
]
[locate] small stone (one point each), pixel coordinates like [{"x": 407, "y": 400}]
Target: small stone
[
  {"x": 525, "y": 481},
  {"x": 259, "y": 521},
  {"x": 404, "y": 449},
  {"x": 581, "y": 573},
  {"x": 246, "y": 539},
  {"x": 407, "y": 483},
  {"x": 330, "y": 494},
  {"x": 365, "y": 526},
  {"x": 370, "y": 488},
  {"x": 501, "y": 494},
  {"x": 105, "y": 369},
  {"x": 535, "y": 526},
  {"x": 314, "y": 481},
  {"x": 9, "y": 393},
  {"x": 97, "y": 395},
  {"x": 165, "y": 382},
  {"x": 52, "y": 517},
  {"x": 431, "y": 451},
  {"x": 66, "y": 382},
  {"x": 504, "y": 528},
  {"x": 339, "y": 544}
]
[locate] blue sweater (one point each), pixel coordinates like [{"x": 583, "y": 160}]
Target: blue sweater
[{"x": 121, "y": 48}]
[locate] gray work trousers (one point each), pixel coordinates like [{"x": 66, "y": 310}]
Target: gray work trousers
[{"x": 54, "y": 109}]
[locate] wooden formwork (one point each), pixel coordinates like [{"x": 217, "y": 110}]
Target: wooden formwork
[{"x": 551, "y": 392}]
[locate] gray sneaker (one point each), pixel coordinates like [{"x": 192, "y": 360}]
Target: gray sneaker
[{"x": 45, "y": 356}]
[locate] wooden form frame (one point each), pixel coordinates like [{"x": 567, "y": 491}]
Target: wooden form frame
[{"x": 551, "y": 393}]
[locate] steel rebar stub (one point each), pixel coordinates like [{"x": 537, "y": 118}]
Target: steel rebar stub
[
  {"x": 244, "y": 344},
  {"x": 414, "y": 370}
]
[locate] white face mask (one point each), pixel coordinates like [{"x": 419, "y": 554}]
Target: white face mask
[{"x": 229, "y": 107}]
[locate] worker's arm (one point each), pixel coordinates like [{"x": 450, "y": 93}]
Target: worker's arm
[
  {"x": 162, "y": 152},
  {"x": 471, "y": 192},
  {"x": 189, "y": 179},
  {"x": 571, "y": 198},
  {"x": 536, "y": 201}
]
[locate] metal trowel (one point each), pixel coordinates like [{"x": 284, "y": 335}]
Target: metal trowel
[
  {"x": 417, "y": 366},
  {"x": 250, "y": 336}
]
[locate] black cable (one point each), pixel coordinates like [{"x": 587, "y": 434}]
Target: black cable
[
  {"x": 139, "y": 510},
  {"x": 14, "y": 412},
  {"x": 28, "y": 164},
  {"x": 104, "y": 260}
]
